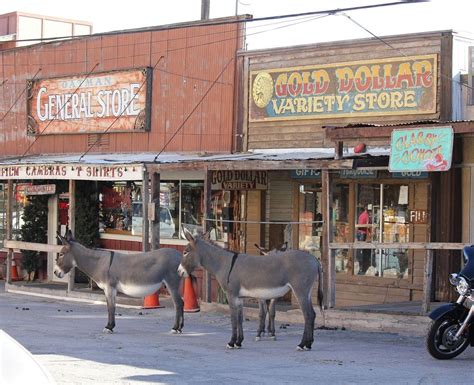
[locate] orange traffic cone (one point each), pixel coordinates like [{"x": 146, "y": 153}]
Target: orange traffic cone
[
  {"x": 152, "y": 301},
  {"x": 190, "y": 302},
  {"x": 14, "y": 273}
]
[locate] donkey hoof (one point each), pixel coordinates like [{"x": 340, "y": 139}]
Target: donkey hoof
[
  {"x": 299, "y": 348},
  {"x": 230, "y": 346},
  {"x": 175, "y": 331},
  {"x": 273, "y": 338},
  {"x": 238, "y": 346},
  {"x": 107, "y": 331},
  {"x": 258, "y": 338}
]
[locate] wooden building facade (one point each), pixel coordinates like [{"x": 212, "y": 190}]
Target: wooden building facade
[{"x": 348, "y": 97}]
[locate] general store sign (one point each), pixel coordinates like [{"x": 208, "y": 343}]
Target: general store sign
[
  {"x": 393, "y": 86},
  {"x": 72, "y": 171},
  {"x": 424, "y": 149},
  {"x": 239, "y": 180},
  {"x": 113, "y": 101}
]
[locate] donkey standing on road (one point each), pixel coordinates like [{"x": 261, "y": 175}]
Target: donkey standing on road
[
  {"x": 263, "y": 277},
  {"x": 136, "y": 275}
]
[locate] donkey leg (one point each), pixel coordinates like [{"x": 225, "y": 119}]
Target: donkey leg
[
  {"x": 173, "y": 288},
  {"x": 110, "y": 294},
  {"x": 234, "y": 318},
  {"x": 309, "y": 316},
  {"x": 240, "y": 321},
  {"x": 262, "y": 314},
  {"x": 271, "y": 319}
]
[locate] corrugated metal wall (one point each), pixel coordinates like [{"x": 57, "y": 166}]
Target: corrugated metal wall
[{"x": 193, "y": 57}]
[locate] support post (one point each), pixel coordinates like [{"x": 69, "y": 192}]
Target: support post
[
  {"x": 155, "y": 210},
  {"x": 206, "y": 295},
  {"x": 8, "y": 230},
  {"x": 145, "y": 221},
  {"x": 427, "y": 281},
  {"x": 72, "y": 226},
  {"x": 328, "y": 256}
]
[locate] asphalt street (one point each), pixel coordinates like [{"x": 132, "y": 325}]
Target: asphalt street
[{"x": 67, "y": 339}]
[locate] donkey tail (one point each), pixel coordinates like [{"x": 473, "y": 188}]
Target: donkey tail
[
  {"x": 320, "y": 288},
  {"x": 321, "y": 293}
]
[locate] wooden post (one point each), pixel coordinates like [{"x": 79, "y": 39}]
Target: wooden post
[
  {"x": 206, "y": 295},
  {"x": 145, "y": 221},
  {"x": 155, "y": 210},
  {"x": 427, "y": 281},
  {"x": 72, "y": 226},
  {"x": 328, "y": 257},
  {"x": 339, "y": 149},
  {"x": 8, "y": 230}
]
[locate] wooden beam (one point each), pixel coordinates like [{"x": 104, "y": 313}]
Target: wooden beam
[
  {"x": 44, "y": 247},
  {"x": 335, "y": 133},
  {"x": 72, "y": 227},
  {"x": 145, "y": 221},
  {"x": 321, "y": 164},
  {"x": 9, "y": 229},
  {"x": 328, "y": 256},
  {"x": 155, "y": 207},
  {"x": 427, "y": 281},
  {"x": 406, "y": 245},
  {"x": 206, "y": 295}
]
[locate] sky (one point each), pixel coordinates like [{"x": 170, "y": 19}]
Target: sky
[{"x": 111, "y": 15}]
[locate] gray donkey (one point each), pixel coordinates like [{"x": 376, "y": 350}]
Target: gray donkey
[
  {"x": 136, "y": 275},
  {"x": 263, "y": 277}
]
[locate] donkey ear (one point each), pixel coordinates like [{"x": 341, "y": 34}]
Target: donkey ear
[
  {"x": 187, "y": 234},
  {"x": 61, "y": 238},
  {"x": 69, "y": 236}
]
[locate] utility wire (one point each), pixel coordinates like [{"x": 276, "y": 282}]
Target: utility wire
[
  {"x": 213, "y": 83},
  {"x": 450, "y": 78},
  {"x": 18, "y": 97},
  {"x": 55, "y": 116},
  {"x": 194, "y": 109},
  {"x": 228, "y": 22},
  {"x": 99, "y": 136}
]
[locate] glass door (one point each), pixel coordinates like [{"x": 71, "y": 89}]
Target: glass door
[{"x": 310, "y": 228}]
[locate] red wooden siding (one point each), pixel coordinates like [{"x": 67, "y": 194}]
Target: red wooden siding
[{"x": 193, "y": 57}]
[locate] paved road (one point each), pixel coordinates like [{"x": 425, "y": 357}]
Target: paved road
[{"x": 66, "y": 338}]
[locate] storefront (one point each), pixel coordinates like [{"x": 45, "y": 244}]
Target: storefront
[{"x": 319, "y": 97}]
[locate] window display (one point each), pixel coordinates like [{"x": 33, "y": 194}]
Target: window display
[
  {"x": 382, "y": 211},
  {"x": 121, "y": 207},
  {"x": 310, "y": 213},
  {"x": 340, "y": 221}
]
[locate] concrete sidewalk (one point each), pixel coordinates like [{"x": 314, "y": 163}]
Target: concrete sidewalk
[{"x": 362, "y": 320}]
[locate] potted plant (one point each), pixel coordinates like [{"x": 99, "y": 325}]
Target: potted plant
[{"x": 34, "y": 229}]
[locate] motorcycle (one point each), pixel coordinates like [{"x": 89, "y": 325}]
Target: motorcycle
[{"x": 452, "y": 328}]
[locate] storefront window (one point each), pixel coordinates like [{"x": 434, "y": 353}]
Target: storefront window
[
  {"x": 382, "y": 216},
  {"x": 192, "y": 202},
  {"x": 340, "y": 220},
  {"x": 121, "y": 207},
  {"x": 310, "y": 212},
  {"x": 19, "y": 202}
]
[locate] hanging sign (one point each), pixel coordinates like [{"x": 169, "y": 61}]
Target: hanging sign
[
  {"x": 239, "y": 180},
  {"x": 392, "y": 86},
  {"x": 423, "y": 149},
  {"x": 111, "y": 101},
  {"x": 40, "y": 189}
]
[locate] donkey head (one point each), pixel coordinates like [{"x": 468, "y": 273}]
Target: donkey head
[
  {"x": 190, "y": 259},
  {"x": 65, "y": 260}
]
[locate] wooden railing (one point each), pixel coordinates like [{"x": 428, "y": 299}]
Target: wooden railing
[
  {"x": 19, "y": 245},
  {"x": 428, "y": 271}
]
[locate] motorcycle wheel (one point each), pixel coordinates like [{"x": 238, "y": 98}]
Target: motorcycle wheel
[{"x": 440, "y": 339}]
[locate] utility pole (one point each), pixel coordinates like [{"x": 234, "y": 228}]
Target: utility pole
[{"x": 205, "y": 5}]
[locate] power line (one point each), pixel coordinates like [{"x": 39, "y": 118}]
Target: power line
[
  {"x": 194, "y": 109},
  {"x": 99, "y": 136},
  {"x": 228, "y": 22},
  {"x": 18, "y": 97},
  {"x": 450, "y": 78},
  {"x": 55, "y": 116}
]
